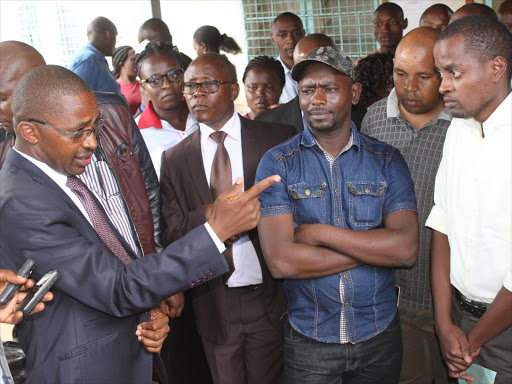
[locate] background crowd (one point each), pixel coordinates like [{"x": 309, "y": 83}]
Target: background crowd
[{"x": 381, "y": 251}]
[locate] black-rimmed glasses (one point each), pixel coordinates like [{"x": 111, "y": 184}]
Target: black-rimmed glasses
[
  {"x": 211, "y": 86},
  {"x": 77, "y": 136},
  {"x": 156, "y": 81}
]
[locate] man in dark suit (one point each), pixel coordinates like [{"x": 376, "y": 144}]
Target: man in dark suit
[
  {"x": 88, "y": 333},
  {"x": 237, "y": 315}
]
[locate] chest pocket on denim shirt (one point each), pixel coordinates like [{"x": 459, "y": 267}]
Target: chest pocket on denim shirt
[
  {"x": 308, "y": 202},
  {"x": 365, "y": 203}
]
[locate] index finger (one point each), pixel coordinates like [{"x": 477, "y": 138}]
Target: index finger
[
  {"x": 9, "y": 276},
  {"x": 256, "y": 189}
]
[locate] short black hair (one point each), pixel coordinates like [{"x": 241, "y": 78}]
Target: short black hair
[
  {"x": 374, "y": 73},
  {"x": 484, "y": 38},
  {"x": 288, "y": 15},
  {"x": 266, "y": 62},
  {"x": 391, "y": 6},
  {"x": 158, "y": 48},
  {"x": 37, "y": 94},
  {"x": 153, "y": 27},
  {"x": 119, "y": 57}
]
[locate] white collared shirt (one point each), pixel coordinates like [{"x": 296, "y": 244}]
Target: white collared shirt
[
  {"x": 290, "y": 89},
  {"x": 473, "y": 198},
  {"x": 247, "y": 266},
  {"x": 158, "y": 140}
]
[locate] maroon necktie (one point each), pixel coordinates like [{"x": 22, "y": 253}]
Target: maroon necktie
[
  {"x": 221, "y": 179},
  {"x": 99, "y": 222}
]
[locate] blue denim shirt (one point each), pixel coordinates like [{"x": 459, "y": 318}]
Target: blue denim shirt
[
  {"x": 92, "y": 67},
  {"x": 365, "y": 183}
]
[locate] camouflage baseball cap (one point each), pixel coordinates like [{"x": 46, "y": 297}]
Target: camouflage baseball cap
[{"x": 327, "y": 55}]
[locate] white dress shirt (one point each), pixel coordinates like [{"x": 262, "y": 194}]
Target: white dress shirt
[
  {"x": 247, "y": 266},
  {"x": 473, "y": 197},
  {"x": 159, "y": 140},
  {"x": 61, "y": 180},
  {"x": 290, "y": 88}
]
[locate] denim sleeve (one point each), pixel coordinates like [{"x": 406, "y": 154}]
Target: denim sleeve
[
  {"x": 275, "y": 199},
  {"x": 400, "y": 195},
  {"x": 88, "y": 70}
]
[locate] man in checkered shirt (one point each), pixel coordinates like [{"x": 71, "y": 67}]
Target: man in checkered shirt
[{"x": 414, "y": 120}]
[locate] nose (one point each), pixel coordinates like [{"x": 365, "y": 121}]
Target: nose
[
  {"x": 386, "y": 27},
  {"x": 260, "y": 91},
  {"x": 165, "y": 82},
  {"x": 199, "y": 91},
  {"x": 319, "y": 97},
  {"x": 445, "y": 85},
  {"x": 410, "y": 84},
  {"x": 90, "y": 142}
]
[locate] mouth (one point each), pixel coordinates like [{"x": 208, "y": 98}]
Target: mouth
[
  {"x": 261, "y": 105},
  {"x": 385, "y": 38},
  {"x": 319, "y": 114},
  {"x": 200, "y": 107},
  {"x": 83, "y": 161},
  {"x": 449, "y": 102},
  {"x": 168, "y": 96},
  {"x": 412, "y": 102}
]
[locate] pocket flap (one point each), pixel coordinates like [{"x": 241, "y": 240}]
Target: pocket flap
[
  {"x": 366, "y": 189},
  {"x": 306, "y": 191}
]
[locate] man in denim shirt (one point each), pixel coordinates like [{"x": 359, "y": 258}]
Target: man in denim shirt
[
  {"x": 90, "y": 63},
  {"x": 343, "y": 216}
]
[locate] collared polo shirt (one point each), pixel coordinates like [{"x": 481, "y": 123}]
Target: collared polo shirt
[{"x": 422, "y": 150}]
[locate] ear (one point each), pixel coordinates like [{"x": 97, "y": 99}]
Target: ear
[
  {"x": 405, "y": 24},
  {"x": 499, "y": 68},
  {"x": 203, "y": 47},
  {"x": 28, "y": 132},
  {"x": 235, "y": 90},
  {"x": 356, "y": 92},
  {"x": 272, "y": 38}
]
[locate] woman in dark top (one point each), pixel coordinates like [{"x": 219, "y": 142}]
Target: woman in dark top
[{"x": 208, "y": 39}]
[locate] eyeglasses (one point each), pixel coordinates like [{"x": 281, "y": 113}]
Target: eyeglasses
[
  {"x": 77, "y": 136},
  {"x": 207, "y": 86},
  {"x": 156, "y": 81}
]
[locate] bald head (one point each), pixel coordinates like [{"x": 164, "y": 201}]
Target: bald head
[
  {"x": 505, "y": 14},
  {"x": 37, "y": 94},
  {"x": 154, "y": 30},
  {"x": 473, "y": 9},
  {"x": 16, "y": 59},
  {"x": 217, "y": 61},
  {"x": 102, "y": 34},
  {"x": 309, "y": 43},
  {"x": 422, "y": 38},
  {"x": 436, "y": 16}
]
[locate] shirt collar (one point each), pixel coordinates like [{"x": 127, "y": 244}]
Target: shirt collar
[
  {"x": 308, "y": 140},
  {"x": 501, "y": 115},
  {"x": 96, "y": 52},
  {"x": 148, "y": 118},
  {"x": 286, "y": 69},
  {"x": 57, "y": 177},
  {"x": 392, "y": 109},
  {"x": 232, "y": 128}
]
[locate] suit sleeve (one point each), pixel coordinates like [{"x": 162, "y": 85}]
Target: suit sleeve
[
  {"x": 151, "y": 181},
  {"x": 177, "y": 222},
  {"x": 56, "y": 237}
]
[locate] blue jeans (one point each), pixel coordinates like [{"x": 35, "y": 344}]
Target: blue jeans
[{"x": 377, "y": 360}]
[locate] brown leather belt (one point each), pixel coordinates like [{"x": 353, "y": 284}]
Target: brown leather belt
[{"x": 472, "y": 307}]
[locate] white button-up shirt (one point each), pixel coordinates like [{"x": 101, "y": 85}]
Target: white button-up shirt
[
  {"x": 290, "y": 88},
  {"x": 473, "y": 197},
  {"x": 247, "y": 266}
]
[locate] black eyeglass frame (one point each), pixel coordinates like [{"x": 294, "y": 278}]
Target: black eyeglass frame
[
  {"x": 215, "y": 83},
  {"x": 159, "y": 79}
]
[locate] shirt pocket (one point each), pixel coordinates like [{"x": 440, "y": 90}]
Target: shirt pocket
[
  {"x": 365, "y": 203},
  {"x": 308, "y": 201}
]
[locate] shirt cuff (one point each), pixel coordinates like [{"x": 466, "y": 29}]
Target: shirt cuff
[
  {"x": 220, "y": 245},
  {"x": 437, "y": 220}
]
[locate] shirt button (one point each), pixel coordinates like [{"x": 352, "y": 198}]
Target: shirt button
[
  {"x": 307, "y": 192},
  {"x": 347, "y": 304},
  {"x": 367, "y": 190},
  {"x": 338, "y": 220},
  {"x": 336, "y": 191},
  {"x": 345, "y": 275}
]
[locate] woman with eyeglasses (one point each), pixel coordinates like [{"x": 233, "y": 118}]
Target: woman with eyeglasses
[
  {"x": 126, "y": 76},
  {"x": 165, "y": 120}
]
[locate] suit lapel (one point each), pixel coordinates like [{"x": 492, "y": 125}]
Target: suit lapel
[
  {"x": 195, "y": 166},
  {"x": 250, "y": 150}
]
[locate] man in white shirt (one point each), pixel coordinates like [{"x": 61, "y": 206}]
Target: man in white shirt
[
  {"x": 287, "y": 30},
  {"x": 471, "y": 242}
]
